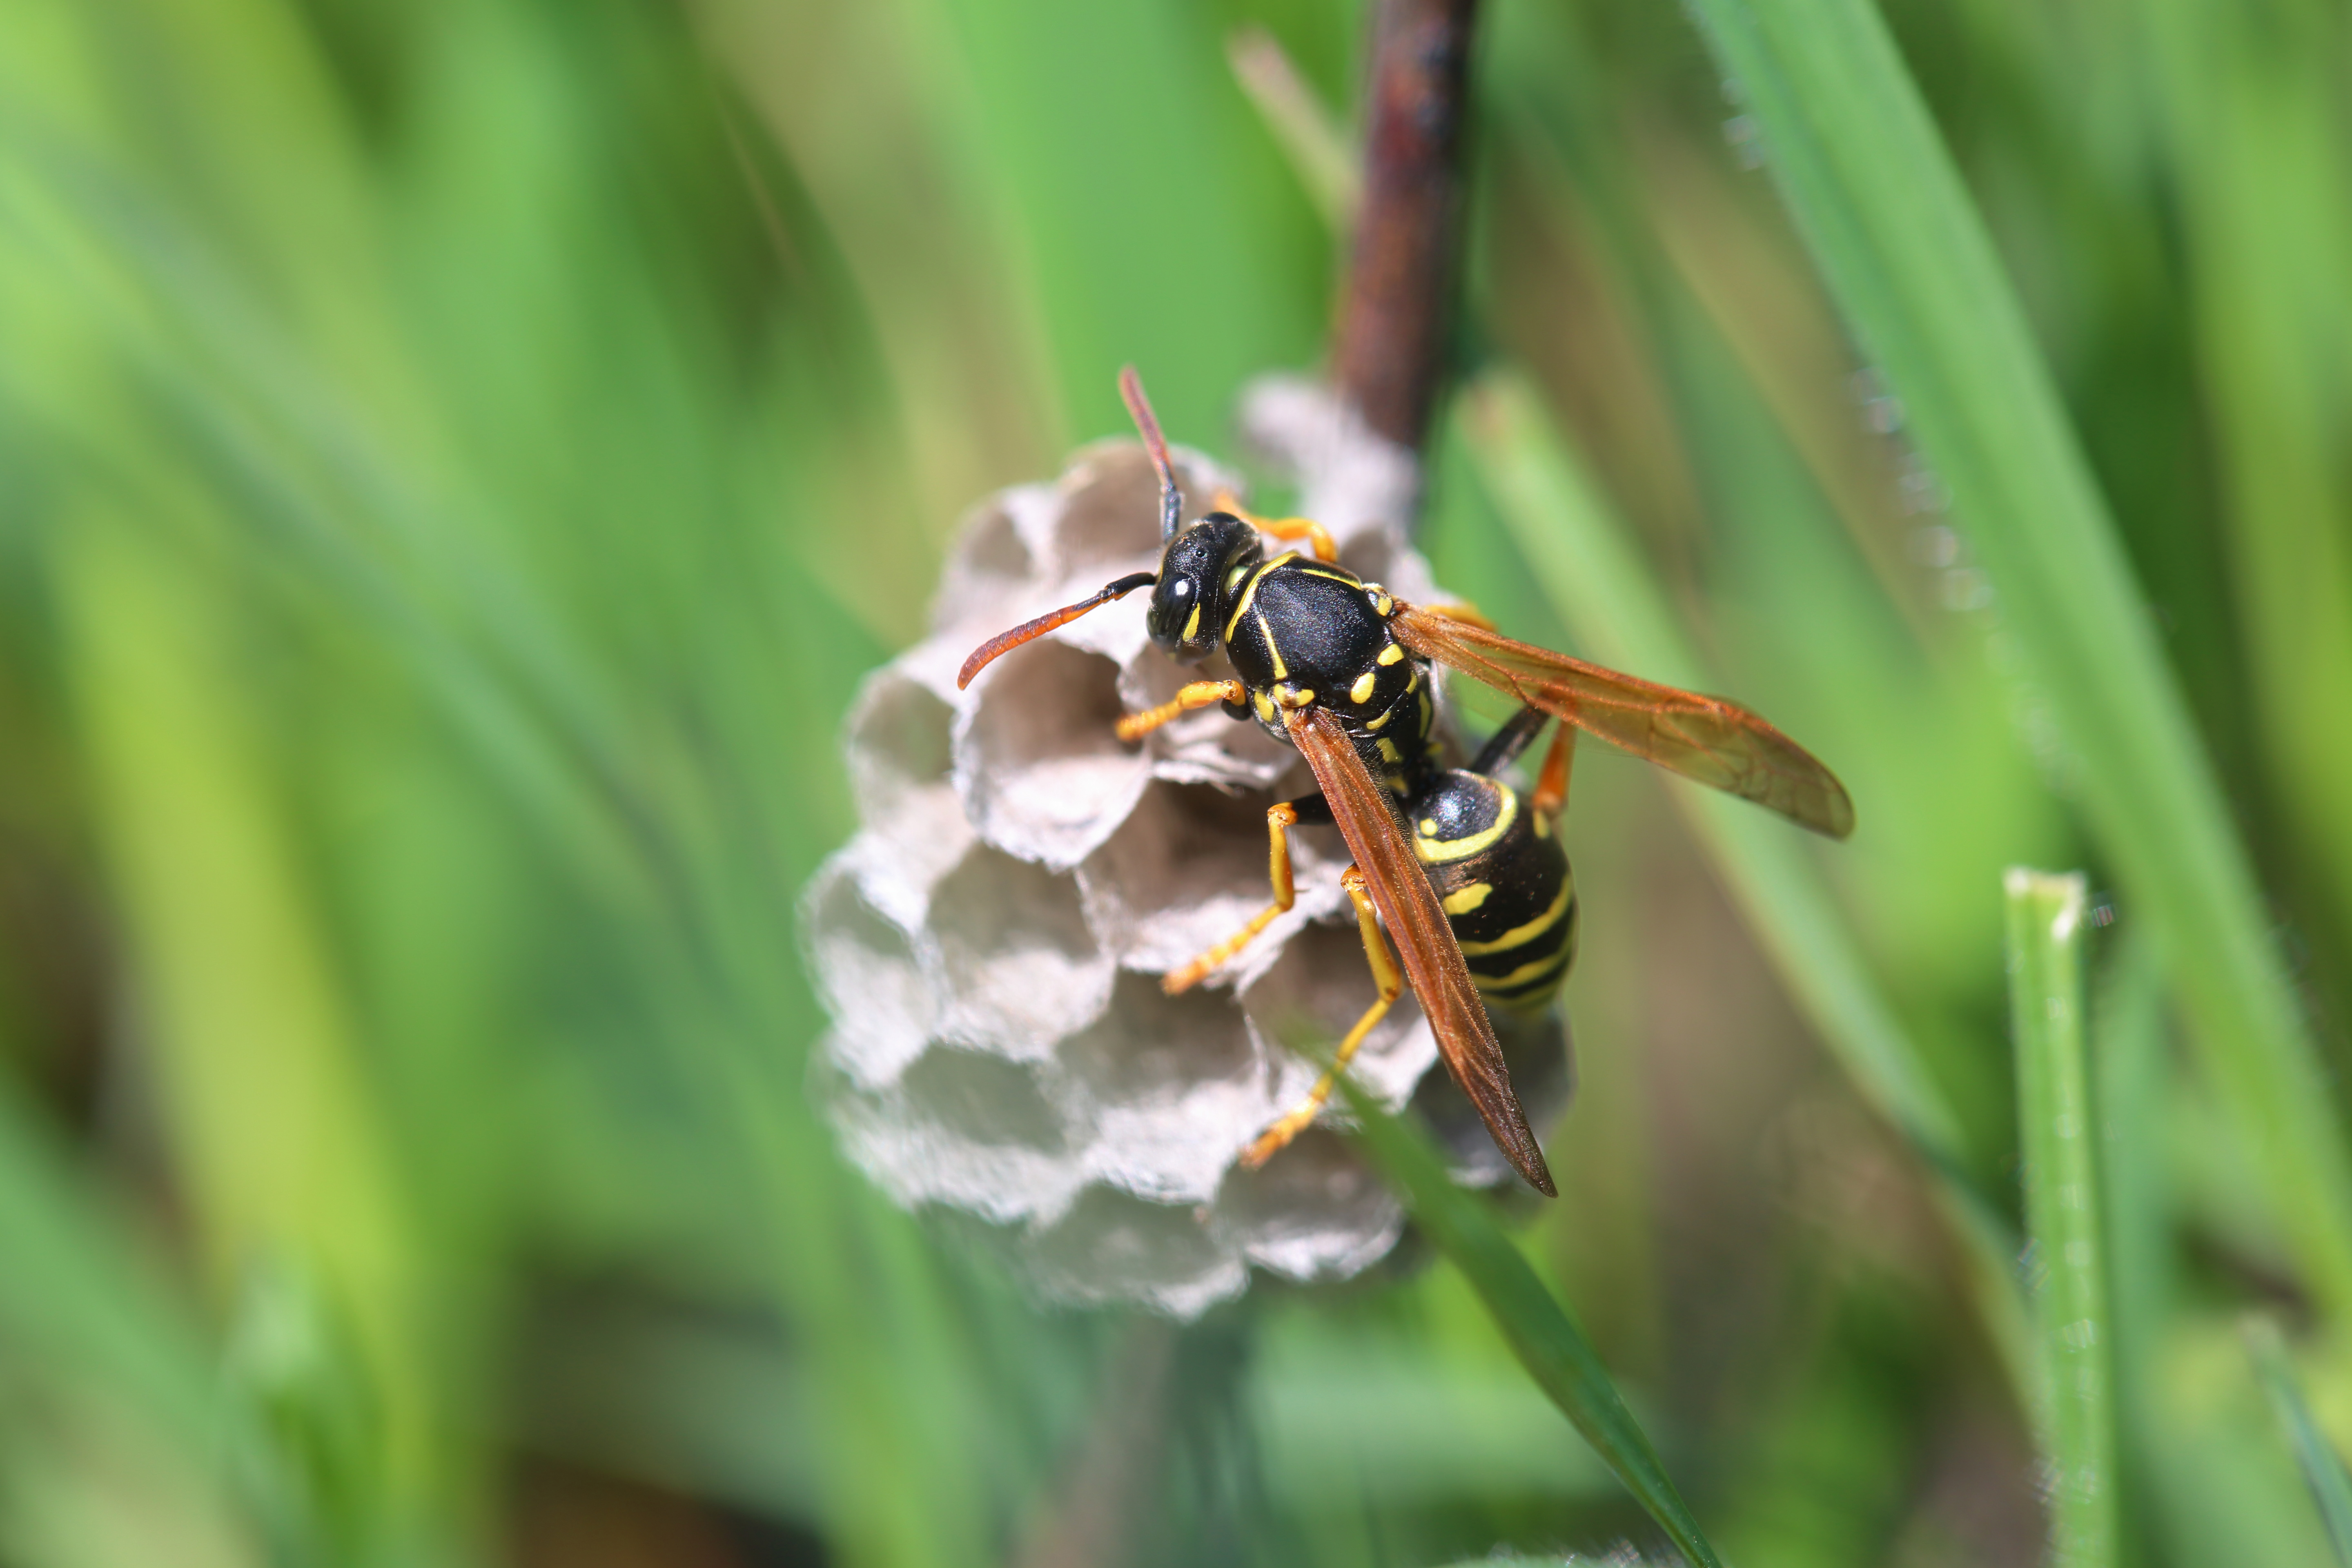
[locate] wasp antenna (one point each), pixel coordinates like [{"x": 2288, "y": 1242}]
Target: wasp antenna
[
  {"x": 1027, "y": 631},
  {"x": 1138, "y": 408}
]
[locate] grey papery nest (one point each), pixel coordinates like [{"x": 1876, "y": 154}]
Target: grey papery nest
[{"x": 991, "y": 943}]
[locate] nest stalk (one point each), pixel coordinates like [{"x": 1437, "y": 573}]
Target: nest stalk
[{"x": 1388, "y": 348}]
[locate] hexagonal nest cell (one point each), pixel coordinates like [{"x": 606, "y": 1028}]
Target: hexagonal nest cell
[
  {"x": 1187, "y": 869},
  {"x": 990, "y": 943},
  {"x": 1040, "y": 769},
  {"x": 1017, "y": 966}
]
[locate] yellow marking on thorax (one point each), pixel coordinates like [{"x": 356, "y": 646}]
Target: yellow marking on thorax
[
  {"x": 1281, "y": 671},
  {"x": 1362, "y": 691},
  {"x": 1463, "y": 899},
  {"x": 1382, "y": 605},
  {"x": 1375, "y": 725},
  {"x": 1389, "y": 753},
  {"x": 1264, "y": 704},
  {"x": 1436, "y": 851},
  {"x": 1524, "y": 933},
  {"x": 1334, "y": 576},
  {"x": 1393, "y": 653},
  {"x": 1250, "y": 592}
]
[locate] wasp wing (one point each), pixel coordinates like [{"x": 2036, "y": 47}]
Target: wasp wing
[
  {"x": 1432, "y": 961},
  {"x": 1716, "y": 743}
]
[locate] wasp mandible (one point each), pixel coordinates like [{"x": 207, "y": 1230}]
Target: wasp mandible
[{"x": 1472, "y": 882}]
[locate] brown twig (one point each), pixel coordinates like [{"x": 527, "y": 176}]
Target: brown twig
[{"x": 1388, "y": 349}]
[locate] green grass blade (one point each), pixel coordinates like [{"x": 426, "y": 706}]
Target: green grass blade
[
  {"x": 1312, "y": 140},
  {"x": 2057, "y": 1130},
  {"x": 2323, "y": 1468},
  {"x": 1580, "y": 558},
  {"x": 1546, "y": 1340},
  {"x": 1908, "y": 261}
]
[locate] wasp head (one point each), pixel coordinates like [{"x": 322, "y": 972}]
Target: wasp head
[{"x": 1203, "y": 569}]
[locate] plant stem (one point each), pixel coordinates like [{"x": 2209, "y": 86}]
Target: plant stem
[
  {"x": 1388, "y": 349},
  {"x": 2058, "y": 1132}
]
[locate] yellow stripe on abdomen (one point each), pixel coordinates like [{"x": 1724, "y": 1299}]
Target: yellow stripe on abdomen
[
  {"x": 1525, "y": 972},
  {"x": 1519, "y": 936}
]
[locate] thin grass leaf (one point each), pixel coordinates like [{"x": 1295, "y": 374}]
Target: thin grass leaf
[
  {"x": 242, "y": 1001},
  {"x": 2323, "y": 1466},
  {"x": 1542, "y": 1334},
  {"x": 2253, "y": 101},
  {"x": 1311, "y": 139},
  {"x": 2057, "y": 1129},
  {"x": 1907, "y": 259},
  {"x": 1580, "y": 557}
]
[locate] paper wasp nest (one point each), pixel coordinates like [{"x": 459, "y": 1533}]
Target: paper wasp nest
[{"x": 991, "y": 943}]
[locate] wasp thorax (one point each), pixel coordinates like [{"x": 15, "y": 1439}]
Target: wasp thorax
[{"x": 1198, "y": 576}]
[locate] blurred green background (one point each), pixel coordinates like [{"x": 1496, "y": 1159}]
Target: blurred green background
[{"x": 456, "y": 460}]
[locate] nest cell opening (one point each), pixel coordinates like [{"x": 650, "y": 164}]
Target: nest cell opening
[
  {"x": 982, "y": 1099},
  {"x": 990, "y": 567},
  {"x": 1151, "y": 1048},
  {"x": 1021, "y": 970},
  {"x": 1041, "y": 771},
  {"x": 1311, "y": 995},
  {"x": 1112, "y": 1245},
  {"x": 898, "y": 739},
  {"x": 1187, "y": 869},
  {"x": 1174, "y": 1090},
  {"x": 1315, "y": 1211},
  {"x": 883, "y": 1006}
]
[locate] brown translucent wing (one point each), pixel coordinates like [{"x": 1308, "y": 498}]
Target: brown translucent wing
[
  {"x": 1716, "y": 743},
  {"x": 1433, "y": 961}
]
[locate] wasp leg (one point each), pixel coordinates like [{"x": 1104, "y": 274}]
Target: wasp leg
[
  {"x": 1551, "y": 785},
  {"x": 1391, "y": 981},
  {"x": 1280, "y": 818},
  {"x": 1504, "y": 748},
  {"x": 1285, "y": 528},
  {"x": 1190, "y": 695}
]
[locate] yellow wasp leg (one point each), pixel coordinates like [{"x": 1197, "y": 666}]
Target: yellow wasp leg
[
  {"x": 1279, "y": 820},
  {"x": 1190, "y": 695},
  {"x": 1391, "y": 981},
  {"x": 1284, "y": 528}
]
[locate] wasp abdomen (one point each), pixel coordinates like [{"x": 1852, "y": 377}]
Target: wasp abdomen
[{"x": 1504, "y": 881}]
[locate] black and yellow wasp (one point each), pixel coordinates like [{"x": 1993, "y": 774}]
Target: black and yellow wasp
[{"x": 1470, "y": 879}]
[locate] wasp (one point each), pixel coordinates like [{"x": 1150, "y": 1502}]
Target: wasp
[{"x": 1471, "y": 881}]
